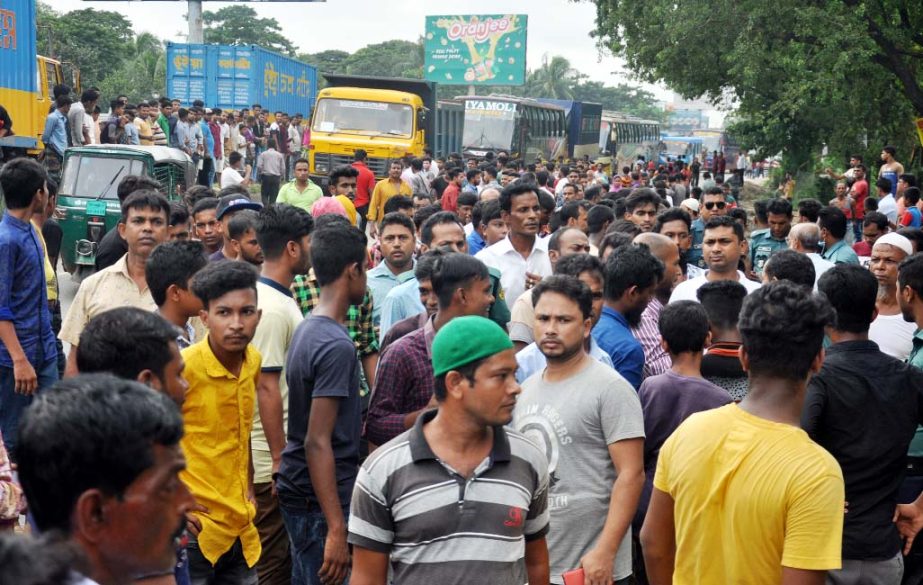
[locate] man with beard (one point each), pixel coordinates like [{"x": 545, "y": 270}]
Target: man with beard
[
  {"x": 889, "y": 330},
  {"x": 632, "y": 275},
  {"x": 723, "y": 245},
  {"x": 284, "y": 236},
  {"x": 656, "y": 359},
  {"x": 589, "y": 421}
]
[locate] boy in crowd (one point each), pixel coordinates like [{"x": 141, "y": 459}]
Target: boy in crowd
[
  {"x": 169, "y": 273},
  {"x": 222, "y": 371},
  {"x": 206, "y": 226}
]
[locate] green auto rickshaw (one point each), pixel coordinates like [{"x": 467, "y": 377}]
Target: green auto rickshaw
[{"x": 88, "y": 206}]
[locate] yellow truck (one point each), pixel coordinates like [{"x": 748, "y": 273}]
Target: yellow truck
[{"x": 389, "y": 118}]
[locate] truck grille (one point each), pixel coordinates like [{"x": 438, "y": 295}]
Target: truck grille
[{"x": 379, "y": 166}]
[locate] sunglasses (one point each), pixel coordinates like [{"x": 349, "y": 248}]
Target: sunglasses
[{"x": 713, "y": 204}]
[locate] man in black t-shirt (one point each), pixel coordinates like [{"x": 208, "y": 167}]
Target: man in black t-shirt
[{"x": 721, "y": 366}]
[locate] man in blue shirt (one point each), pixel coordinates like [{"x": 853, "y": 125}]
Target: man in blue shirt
[
  {"x": 833, "y": 224},
  {"x": 28, "y": 354},
  {"x": 55, "y": 136},
  {"x": 632, "y": 275}
]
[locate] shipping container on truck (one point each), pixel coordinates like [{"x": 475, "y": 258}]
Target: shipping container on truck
[
  {"x": 235, "y": 77},
  {"x": 387, "y": 117},
  {"x": 27, "y": 79},
  {"x": 583, "y": 119}
]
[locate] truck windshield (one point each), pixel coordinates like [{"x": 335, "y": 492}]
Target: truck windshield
[
  {"x": 363, "y": 117},
  {"x": 90, "y": 176},
  {"x": 488, "y": 125}
]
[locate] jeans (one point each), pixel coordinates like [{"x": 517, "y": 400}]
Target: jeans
[
  {"x": 12, "y": 404},
  {"x": 887, "y": 572},
  {"x": 307, "y": 531},
  {"x": 857, "y": 230},
  {"x": 230, "y": 569},
  {"x": 275, "y": 564}
]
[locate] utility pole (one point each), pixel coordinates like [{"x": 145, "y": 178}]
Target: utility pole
[{"x": 196, "y": 33}]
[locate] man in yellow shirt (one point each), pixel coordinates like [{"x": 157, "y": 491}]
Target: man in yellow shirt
[
  {"x": 342, "y": 186},
  {"x": 386, "y": 189},
  {"x": 741, "y": 493},
  {"x": 223, "y": 372}
]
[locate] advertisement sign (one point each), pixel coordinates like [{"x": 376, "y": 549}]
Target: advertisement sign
[{"x": 476, "y": 50}]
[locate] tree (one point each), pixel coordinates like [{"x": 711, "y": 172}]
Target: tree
[
  {"x": 388, "y": 59},
  {"x": 621, "y": 98},
  {"x": 96, "y": 41},
  {"x": 239, "y": 25},
  {"x": 555, "y": 79},
  {"x": 840, "y": 73},
  {"x": 144, "y": 75}
]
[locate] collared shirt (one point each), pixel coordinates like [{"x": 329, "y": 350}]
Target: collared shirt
[
  {"x": 840, "y": 253},
  {"x": 271, "y": 163},
  {"x": 656, "y": 358},
  {"x": 164, "y": 124},
  {"x": 305, "y": 199},
  {"x": 888, "y": 206},
  {"x": 531, "y": 360},
  {"x": 762, "y": 246},
  {"x": 466, "y": 529},
  {"x": 205, "y": 135},
  {"x": 358, "y": 317},
  {"x": 109, "y": 288},
  {"x": 23, "y": 292},
  {"x": 404, "y": 383},
  {"x": 187, "y": 338},
  {"x": 55, "y": 134},
  {"x": 217, "y": 418},
  {"x": 614, "y": 337},
  {"x": 385, "y": 189},
  {"x": 475, "y": 242},
  {"x": 380, "y": 281},
  {"x": 863, "y": 407},
  {"x": 185, "y": 136},
  {"x": 820, "y": 266},
  {"x": 401, "y": 302},
  {"x": 513, "y": 266},
  {"x": 402, "y": 328}
]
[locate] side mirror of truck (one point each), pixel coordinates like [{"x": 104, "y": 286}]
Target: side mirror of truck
[{"x": 421, "y": 118}]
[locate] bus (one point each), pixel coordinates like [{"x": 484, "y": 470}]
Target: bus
[
  {"x": 624, "y": 138},
  {"x": 583, "y": 120},
  {"x": 683, "y": 148},
  {"x": 524, "y": 128}
]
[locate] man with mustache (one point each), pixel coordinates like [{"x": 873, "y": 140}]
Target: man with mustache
[
  {"x": 109, "y": 485},
  {"x": 144, "y": 221},
  {"x": 723, "y": 245},
  {"x": 632, "y": 276},
  {"x": 588, "y": 421},
  {"x": 521, "y": 257}
]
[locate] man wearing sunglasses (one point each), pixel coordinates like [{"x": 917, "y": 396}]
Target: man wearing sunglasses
[{"x": 713, "y": 204}]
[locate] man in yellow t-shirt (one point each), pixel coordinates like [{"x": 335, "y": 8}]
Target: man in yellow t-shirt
[
  {"x": 741, "y": 494},
  {"x": 386, "y": 189},
  {"x": 222, "y": 371},
  {"x": 342, "y": 185}
]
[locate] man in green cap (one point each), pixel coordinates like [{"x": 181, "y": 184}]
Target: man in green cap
[{"x": 475, "y": 492}]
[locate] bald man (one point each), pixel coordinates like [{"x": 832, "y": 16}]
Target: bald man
[
  {"x": 804, "y": 238},
  {"x": 656, "y": 359},
  {"x": 489, "y": 194},
  {"x": 893, "y": 335}
]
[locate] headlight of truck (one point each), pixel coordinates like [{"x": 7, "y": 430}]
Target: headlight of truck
[{"x": 321, "y": 164}]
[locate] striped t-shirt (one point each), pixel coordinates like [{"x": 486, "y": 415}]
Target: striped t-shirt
[{"x": 440, "y": 527}]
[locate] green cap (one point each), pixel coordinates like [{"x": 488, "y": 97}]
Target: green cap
[{"x": 467, "y": 339}]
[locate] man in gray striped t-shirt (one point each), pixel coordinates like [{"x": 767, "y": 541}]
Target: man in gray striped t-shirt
[{"x": 457, "y": 499}]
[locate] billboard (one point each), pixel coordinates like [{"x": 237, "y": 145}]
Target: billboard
[
  {"x": 476, "y": 50},
  {"x": 685, "y": 121}
]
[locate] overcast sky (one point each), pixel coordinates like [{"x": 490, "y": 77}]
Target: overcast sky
[{"x": 556, "y": 27}]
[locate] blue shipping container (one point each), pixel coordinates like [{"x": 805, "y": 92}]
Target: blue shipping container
[
  {"x": 17, "y": 45},
  {"x": 235, "y": 77},
  {"x": 583, "y": 121}
]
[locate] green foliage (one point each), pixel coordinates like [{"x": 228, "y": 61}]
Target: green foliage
[
  {"x": 143, "y": 76},
  {"x": 239, "y": 25},
  {"x": 96, "y": 41},
  {"x": 840, "y": 73}
]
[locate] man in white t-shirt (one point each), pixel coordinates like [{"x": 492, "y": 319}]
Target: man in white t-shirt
[
  {"x": 232, "y": 175},
  {"x": 722, "y": 247},
  {"x": 893, "y": 335}
]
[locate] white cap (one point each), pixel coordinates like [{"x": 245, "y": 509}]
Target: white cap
[
  {"x": 896, "y": 240},
  {"x": 691, "y": 204}
]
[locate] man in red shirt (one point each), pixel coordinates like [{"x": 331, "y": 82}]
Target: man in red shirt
[
  {"x": 450, "y": 195},
  {"x": 859, "y": 193},
  {"x": 365, "y": 184}
]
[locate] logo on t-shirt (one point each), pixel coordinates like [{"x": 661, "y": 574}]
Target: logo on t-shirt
[{"x": 515, "y": 518}]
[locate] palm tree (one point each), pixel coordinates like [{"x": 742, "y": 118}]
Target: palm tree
[{"x": 554, "y": 79}]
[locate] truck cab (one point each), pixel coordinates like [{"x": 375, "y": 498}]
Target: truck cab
[{"x": 388, "y": 118}]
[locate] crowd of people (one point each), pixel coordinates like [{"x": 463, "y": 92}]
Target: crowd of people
[{"x": 469, "y": 371}]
